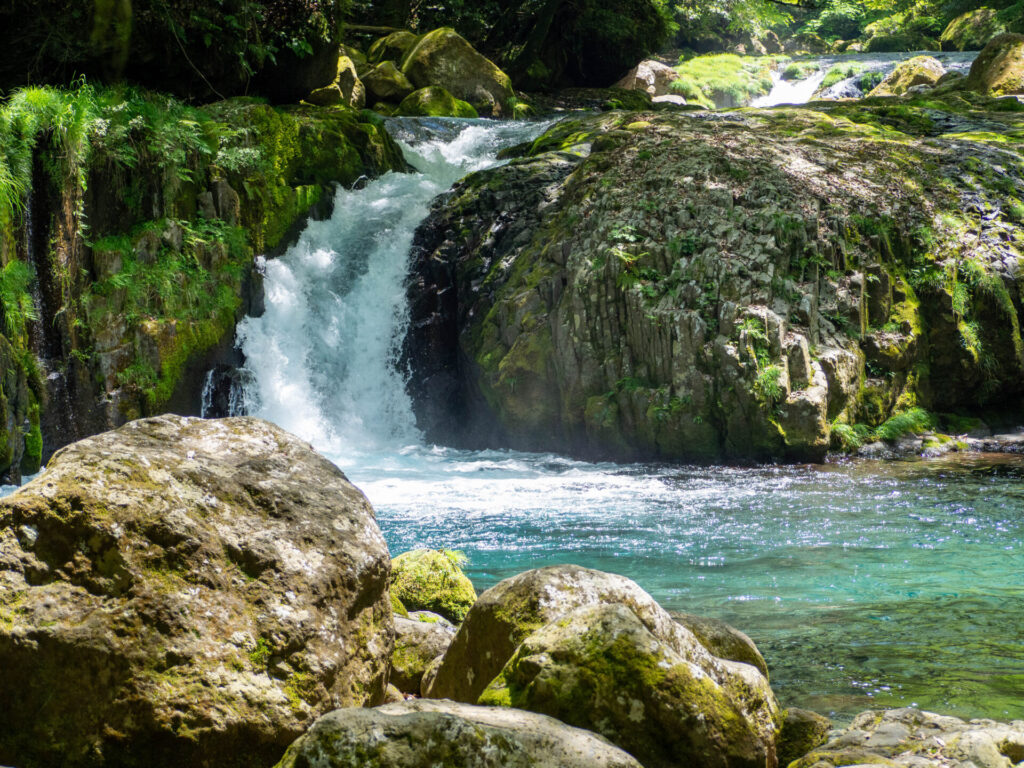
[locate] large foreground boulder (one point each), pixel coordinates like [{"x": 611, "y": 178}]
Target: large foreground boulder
[
  {"x": 424, "y": 734},
  {"x": 186, "y": 592},
  {"x": 910, "y": 738},
  {"x": 507, "y": 613},
  {"x": 600, "y": 668},
  {"x": 568, "y": 641},
  {"x": 443, "y": 58},
  {"x": 723, "y": 640},
  {"x": 999, "y": 68}
]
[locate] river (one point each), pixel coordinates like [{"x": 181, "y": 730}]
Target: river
[{"x": 864, "y": 583}]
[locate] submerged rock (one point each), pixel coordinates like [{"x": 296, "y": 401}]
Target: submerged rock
[
  {"x": 425, "y": 734},
  {"x": 443, "y": 58},
  {"x": 431, "y": 580},
  {"x": 910, "y": 738},
  {"x": 186, "y": 592}
]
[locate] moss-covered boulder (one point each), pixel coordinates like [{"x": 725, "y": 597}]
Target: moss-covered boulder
[
  {"x": 444, "y": 58},
  {"x": 800, "y": 732},
  {"x": 385, "y": 82},
  {"x": 723, "y": 640},
  {"x": 186, "y": 592},
  {"x": 920, "y": 70},
  {"x": 600, "y": 668},
  {"x": 426, "y": 734},
  {"x": 999, "y": 68},
  {"x": 972, "y": 30},
  {"x": 346, "y": 88},
  {"x": 434, "y": 101},
  {"x": 417, "y": 644},
  {"x": 432, "y": 580},
  {"x": 391, "y": 47},
  {"x": 687, "y": 318}
]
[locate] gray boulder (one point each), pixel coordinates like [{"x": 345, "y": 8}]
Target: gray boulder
[
  {"x": 723, "y": 640},
  {"x": 186, "y": 592},
  {"x": 417, "y": 644},
  {"x": 424, "y": 734}
]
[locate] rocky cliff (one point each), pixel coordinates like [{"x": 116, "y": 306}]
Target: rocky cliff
[
  {"x": 739, "y": 285},
  {"x": 129, "y": 223}
]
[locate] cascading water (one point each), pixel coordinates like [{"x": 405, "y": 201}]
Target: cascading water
[
  {"x": 859, "y": 68},
  {"x": 863, "y": 583}
]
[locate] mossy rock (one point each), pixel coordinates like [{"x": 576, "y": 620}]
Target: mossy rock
[
  {"x": 434, "y": 102},
  {"x": 392, "y": 47},
  {"x": 397, "y": 608},
  {"x": 444, "y": 58},
  {"x": 801, "y": 731},
  {"x": 971, "y": 31},
  {"x": 417, "y": 644},
  {"x": 598, "y": 667},
  {"x": 431, "y": 580},
  {"x": 723, "y": 640},
  {"x": 920, "y": 70},
  {"x": 385, "y": 82},
  {"x": 999, "y": 68},
  {"x": 346, "y": 88},
  {"x": 432, "y": 734}
]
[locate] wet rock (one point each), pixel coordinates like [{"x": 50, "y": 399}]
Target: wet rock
[
  {"x": 424, "y": 734},
  {"x": 431, "y": 580},
  {"x": 417, "y": 644},
  {"x": 910, "y": 738},
  {"x": 444, "y": 58},
  {"x": 193, "y": 592},
  {"x": 658, "y": 696}
]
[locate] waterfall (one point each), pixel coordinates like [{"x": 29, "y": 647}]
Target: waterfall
[{"x": 322, "y": 358}]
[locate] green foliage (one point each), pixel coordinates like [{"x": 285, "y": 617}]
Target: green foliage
[
  {"x": 768, "y": 386},
  {"x": 841, "y": 72},
  {"x": 190, "y": 47},
  {"x": 912, "y": 421},
  {"x": 15, "y": 299}
]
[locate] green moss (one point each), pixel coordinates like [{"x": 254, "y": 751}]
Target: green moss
[
  {"x": 432, "y": 580},
  {"x": 724, "y": 79},
  {"x": 397, "y": 607}
]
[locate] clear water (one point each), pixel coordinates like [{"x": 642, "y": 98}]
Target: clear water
[
  {"x": 801, "y": 91},
  {"x": 863, "y": 583}
]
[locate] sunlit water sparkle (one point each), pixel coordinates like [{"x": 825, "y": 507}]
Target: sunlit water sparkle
[{"x": 863, "y": 583}]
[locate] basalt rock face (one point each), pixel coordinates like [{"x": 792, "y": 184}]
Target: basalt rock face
[
  {"x": 186, "y": 592},
  {"x": 727, "y": 286}
]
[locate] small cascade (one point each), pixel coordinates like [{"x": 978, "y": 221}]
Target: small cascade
[{"x": 322, "y": 358}]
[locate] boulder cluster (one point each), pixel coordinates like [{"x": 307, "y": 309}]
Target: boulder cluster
[
  {"x": 437, "y": 74},
  {"x": 214, "y": 593}
]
